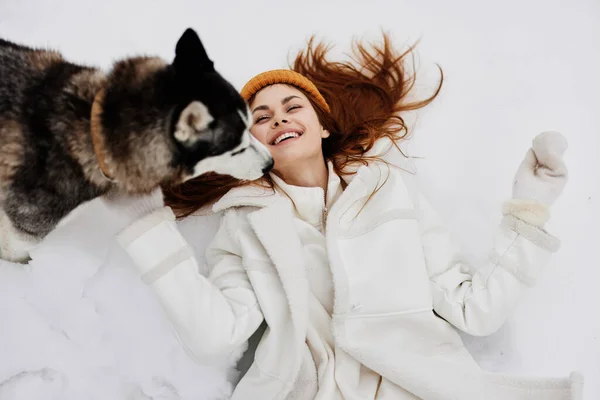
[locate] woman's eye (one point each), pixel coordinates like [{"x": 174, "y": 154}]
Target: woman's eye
[
  {"x": 261, "y": 118},
  {"x": 293, "y": 107}
]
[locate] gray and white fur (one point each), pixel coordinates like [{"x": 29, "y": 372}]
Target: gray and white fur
[{"x": 158, "y": 124}]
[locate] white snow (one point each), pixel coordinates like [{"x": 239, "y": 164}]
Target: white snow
[{"x": 77, "y": 323}]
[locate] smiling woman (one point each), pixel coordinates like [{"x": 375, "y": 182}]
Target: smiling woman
[
  {"x": 341, "y": 259},
  {"x": 356, "y": 102},
  {"x": 286, "y": 122}
]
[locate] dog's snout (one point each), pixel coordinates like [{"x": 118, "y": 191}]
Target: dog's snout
[{"x": 268, "y": 167}]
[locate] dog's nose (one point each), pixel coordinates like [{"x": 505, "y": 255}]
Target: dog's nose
[{"x": 268, "y": 167}]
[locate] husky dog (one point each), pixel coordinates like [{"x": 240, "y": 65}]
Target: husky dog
[{"x": 70, "y": 133}]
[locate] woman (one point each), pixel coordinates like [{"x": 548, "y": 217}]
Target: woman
[{"x": 337, "y": 256}]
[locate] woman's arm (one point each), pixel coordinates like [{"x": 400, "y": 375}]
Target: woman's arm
[
  {"x": 211, "y": 315},
  {"x": 478, "y": 301}
]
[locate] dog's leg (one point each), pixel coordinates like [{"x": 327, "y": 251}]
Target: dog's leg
[{"x": 14, "y": 245}]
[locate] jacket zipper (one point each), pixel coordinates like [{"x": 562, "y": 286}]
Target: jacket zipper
[{"x": 324, "y": 216}]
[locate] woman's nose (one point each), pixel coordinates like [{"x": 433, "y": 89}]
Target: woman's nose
[{"x": 283, "y": 121}]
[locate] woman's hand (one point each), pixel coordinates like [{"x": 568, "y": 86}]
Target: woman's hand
[
  {"x": 542, "y": 175},
  {"x": 130, "y": 208}
]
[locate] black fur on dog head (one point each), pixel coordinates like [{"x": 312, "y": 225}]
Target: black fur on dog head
[{"x": 165, "y": 123}]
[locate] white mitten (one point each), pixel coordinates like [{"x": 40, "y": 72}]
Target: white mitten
[
  {"x": 130, "y": 208},
  {"x": 540, "y": 179}
]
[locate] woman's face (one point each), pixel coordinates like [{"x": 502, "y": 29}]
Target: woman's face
[{"x": 285, "y": 122}]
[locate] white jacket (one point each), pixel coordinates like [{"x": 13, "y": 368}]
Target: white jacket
[{"x": 399, "y": 285}]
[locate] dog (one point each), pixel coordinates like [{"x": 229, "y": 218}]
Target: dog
[{"x": 70, "y": 133}]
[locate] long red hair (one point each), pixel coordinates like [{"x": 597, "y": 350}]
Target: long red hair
[{"x": 367, "y": 95}]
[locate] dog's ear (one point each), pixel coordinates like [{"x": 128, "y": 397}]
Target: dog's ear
[
  {"x": 193, "y": 123},
  {"x": 190, "y": 55}
]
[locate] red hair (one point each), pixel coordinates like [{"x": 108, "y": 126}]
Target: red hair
[{"x": 367, "y": 96}]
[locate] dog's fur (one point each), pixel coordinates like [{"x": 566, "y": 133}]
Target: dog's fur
[{"x": 157, "y": 123}]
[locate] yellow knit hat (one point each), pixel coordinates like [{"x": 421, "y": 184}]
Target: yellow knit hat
[{"x": 284, "y": 76}]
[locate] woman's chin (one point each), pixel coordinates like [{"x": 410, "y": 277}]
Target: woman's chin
[{"x": 296, "y": 158}]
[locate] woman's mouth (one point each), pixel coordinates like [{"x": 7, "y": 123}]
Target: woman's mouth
[{"x": 285, "y": 136}]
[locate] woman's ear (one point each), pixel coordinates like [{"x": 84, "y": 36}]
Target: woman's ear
[{"x": 324, "y": 133}]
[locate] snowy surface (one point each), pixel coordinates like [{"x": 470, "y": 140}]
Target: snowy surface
[{"x": 77, "y": 323}]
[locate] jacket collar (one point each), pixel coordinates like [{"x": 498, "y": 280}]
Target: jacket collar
[
  {"x": 259, "y": 196},
  {"x": 249, "y": 195}
]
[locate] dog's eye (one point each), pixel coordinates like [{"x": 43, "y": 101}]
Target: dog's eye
[{"x": 235, "y": 153}]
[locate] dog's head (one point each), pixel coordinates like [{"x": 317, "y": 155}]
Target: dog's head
[{"x": 167, "y": 123}]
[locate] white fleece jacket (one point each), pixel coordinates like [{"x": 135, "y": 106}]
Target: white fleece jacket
[
  {"x": 349, "y": 379},
  {"x": 398, "y": 280}
]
